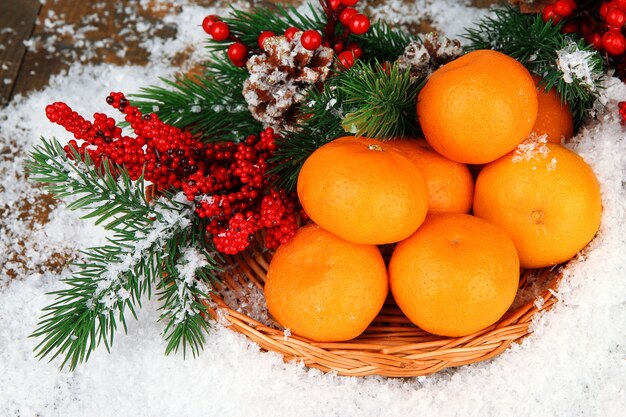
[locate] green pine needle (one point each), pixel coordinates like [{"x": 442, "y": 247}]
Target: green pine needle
[
  {"x": 383, "y": 43},
  {"x": 248, "y": 25},
  {"x": 211, "y": 105},
  {"x": 113, "y": 278},
  {"x": 382, "y": 100}
]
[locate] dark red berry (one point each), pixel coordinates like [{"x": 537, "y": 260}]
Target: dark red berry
[
  {"x": 237, "y": 52},
  {"x": 355, "y": 49},
  {"x": 564, "y": 8},
  {"x": 616, "y": 18},
  {"x": 263, "y": 36},
  {"x": 595, "y": 40},
  {"x": 570, "y": 27},
  {"x": 208, "y": 22},
  {"x": 614, "y": 42},
  {"x": 347, "y": 59},
  {"x": 349, "y": 2},
  {"x": 549, "y": 14},
  {"x": 311, "y": 40},
  {"x": 359, "y": 24},
  {"x": 334, "y": 4},
  {"x": 346, "y": 15},
  {"x": 290, "y": 32},
  {"x": 605, "y": 8},
  {"x": 220, "y": 31}
]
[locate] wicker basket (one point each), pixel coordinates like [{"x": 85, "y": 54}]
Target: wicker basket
[{"x": 391, "y": 346}]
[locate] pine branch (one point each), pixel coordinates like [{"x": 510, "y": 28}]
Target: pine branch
[
  {"x": 545, "y": 51},
  {"x": 383, "y": 43},
  {"x": 383, "y": 99},
  {"x": 247, "y": 26},
  {"x": 113, "y": 278},
  {"x": 211, "y": 105},
  {"x": 188, "y": 278}
]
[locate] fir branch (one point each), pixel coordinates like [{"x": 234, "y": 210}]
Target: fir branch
[
  {"x": 383, "y": 43},
  {"x": 383, "y": 99},
  {"x": 112, "y": 278},
  {"x": 188, "y": 279},
  {"x": 211, "y": 105},
  {"x": 248, "y": 25},
  {"x": 542, "y": 48}
]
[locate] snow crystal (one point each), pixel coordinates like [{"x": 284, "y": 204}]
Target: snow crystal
[
  {"x": 576, "y": 64},
  {"x": 533, "y": 147},
  {"x": 571, "y": 365}
]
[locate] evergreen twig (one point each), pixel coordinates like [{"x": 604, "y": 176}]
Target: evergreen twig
[
  {"x": 383, "y": 43},
  {"x": 113, "y": 278},
  {"x": 211, "y": 105},
  {"x": 382, "y": 99},
  {"x": 248, "y": 25}
]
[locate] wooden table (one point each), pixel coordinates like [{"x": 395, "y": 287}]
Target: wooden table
[{"x": 52, "y": 49}]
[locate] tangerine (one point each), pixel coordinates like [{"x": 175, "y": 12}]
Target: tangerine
[
  {"x": 478, "y": 107},
  {"x": 362, "y": 192},
  {"x": 554, "y": 117},
  {"x": 545, "y": 197},
  {"x": 456, "y": 275},
  {"x": 450, "y": 184},
  {"x": 324, "y": 288}
]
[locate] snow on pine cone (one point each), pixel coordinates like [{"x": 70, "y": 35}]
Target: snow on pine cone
[
  {"x": 280, "y": 76},
  {"x": 425, "y": 57}
]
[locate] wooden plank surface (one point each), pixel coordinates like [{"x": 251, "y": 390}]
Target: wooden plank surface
[
  {"x": 100, "y": 32},
  {"x": 17, "y": 20}
]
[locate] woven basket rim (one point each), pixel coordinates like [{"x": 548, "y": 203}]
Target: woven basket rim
[{"x": 391, "y": 346}]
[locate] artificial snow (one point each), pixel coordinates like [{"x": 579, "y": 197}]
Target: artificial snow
[{"x": 574, "y": 364}]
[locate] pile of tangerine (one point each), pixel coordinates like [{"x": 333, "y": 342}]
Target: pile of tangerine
[{"x": 489, "y": 191}]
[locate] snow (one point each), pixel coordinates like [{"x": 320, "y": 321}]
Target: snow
[{"x": 574, "y": 364}]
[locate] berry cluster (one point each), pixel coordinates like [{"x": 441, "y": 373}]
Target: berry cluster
[
  {"x": 230, "y": 193},
  {"x": 338, "y": 13},
  {"x": 600, "y": 23},
  {"x": 163, "y": 153},
  {"x": 228, "y": 181}
]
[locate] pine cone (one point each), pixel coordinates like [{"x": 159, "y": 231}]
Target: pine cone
[
  {"x": 425, "y": 57},
  {"x": 279, "y": 78}
]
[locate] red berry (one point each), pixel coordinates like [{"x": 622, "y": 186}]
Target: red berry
[
  {"x": 606, "y": 7},
  {"x": 311, "y": 40},
  {"x": 349, "y": 2},
  {"x": 290, "y": 32},
  {"x": 347, "y": 59},
  {"x": 237, "y": 52},
  {"x": 220, "y": 31},
  {"x": 359, "y": 24},
  {"x": 621, "y": 4},
  {"x": 334, "y": 4},
  {"x": 564, "y": 8},
  {"x": 355, "y": 49},
  {"x": 346, "y": 15},
  {"x": 549, "y": 14},
  {"x": 595, "y": 40},
  {"x": 338, "y": 47},
  {"x": 616, "y": 18},
  {"x": 263, "y": 36},
  {"x": 570, "y": 27},
  {"x": 208, "y": 22},
  {"x": 614, "y": 42}
]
